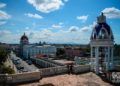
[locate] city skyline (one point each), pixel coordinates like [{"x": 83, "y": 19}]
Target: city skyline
[{"x": 55, "y": 21}]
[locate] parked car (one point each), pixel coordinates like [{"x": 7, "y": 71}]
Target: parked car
[
  {"x": 20, "y": 68},
  {"x": 24, "y": 70},
  {"x": 16, "y": 62},
  {"x": 29, "y": 62}
]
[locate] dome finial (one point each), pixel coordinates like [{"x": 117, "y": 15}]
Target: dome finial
[
  {"x": 102, "y": 14},
  {"x": 24, "y": 33},
  {"x": 101, "y": 18}
]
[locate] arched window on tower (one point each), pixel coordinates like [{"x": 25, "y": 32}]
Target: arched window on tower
[{"x": 103, "y": 34}]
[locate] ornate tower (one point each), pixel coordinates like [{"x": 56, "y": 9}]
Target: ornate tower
[
  {"x": 23, "y": 41},
  {"x": 102, "y": 43}
]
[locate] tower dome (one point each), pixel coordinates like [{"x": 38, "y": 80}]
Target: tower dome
[
  {"x": 24, "y": 37},
  {"x": 24, "y": 40},
  {"x": 101, "y": 30}
]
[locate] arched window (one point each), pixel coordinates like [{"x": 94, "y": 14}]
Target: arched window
[{"x": 103, "y": 34}]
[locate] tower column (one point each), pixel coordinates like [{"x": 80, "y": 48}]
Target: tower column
[
  {"x": 108, "y": 58},
  {"x": 91, "y": 51},
  {"x": 112, "y": 65},
  {"x": 96, "y": 60},
  {"x": 91, "y": 60}
]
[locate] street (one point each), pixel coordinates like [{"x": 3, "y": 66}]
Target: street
[{"x": 21, "y": 65}]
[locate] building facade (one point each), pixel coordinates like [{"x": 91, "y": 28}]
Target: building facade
[
  {"x": 102, "y": 44},
  {"x": 72, "y": 52},
  {"x": 33, "y": 50}
]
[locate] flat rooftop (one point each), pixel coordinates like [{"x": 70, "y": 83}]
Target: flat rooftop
[{"x": 64, "y": 61}]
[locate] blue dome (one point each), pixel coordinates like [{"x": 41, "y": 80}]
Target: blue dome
[
  {"x": 102, "y": 30},
  {"x": 99, "y": 26}
]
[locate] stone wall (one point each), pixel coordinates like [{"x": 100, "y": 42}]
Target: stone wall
[
  {"x": 81, "y": 68},
  {"x": 20, "y": 78},
  {"x": 46, "y": 62},
  {"x": 53, "y": 71},
  {"x": 43, "y": 63},
  {"x": 32, "y": 76}
]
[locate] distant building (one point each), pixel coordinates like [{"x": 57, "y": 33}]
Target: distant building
[
  {"x": 81, "y": 60},
  {"x": 33, "y": 50},
  {"x": 72, "y": 52}
]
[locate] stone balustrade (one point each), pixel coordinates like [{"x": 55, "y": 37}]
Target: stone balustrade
[
  {"x": 53, "y": 71},
  {"x": 20, "y": 77},
  {"x": 37, "y": 75},
  {"x": 45, "y": 63},
  {"x": 81, "y": 68}
]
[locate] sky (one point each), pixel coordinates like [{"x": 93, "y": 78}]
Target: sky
[{"x": 56, "y": 21}]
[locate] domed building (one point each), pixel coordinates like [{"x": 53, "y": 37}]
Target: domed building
[
  {"x": 102, "y": 43},
  {"x": 24, "y": 40}
]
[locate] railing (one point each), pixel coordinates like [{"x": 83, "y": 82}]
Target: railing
[
  {"x": 19, "y": 78},
  {"x": 37, "y": 75},
  {"x": 53, "y": 71},
  {"x": 81, "y": 68},
  {"x": 63, "y": 70},
  {"x": 51, "y": 61},
  {"x": 3, "y": 78},
  {"x": 116, "y": 62},
  {"x": 45, "y": 63}
]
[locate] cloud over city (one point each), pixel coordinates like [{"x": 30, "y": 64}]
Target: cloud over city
[
  {"x": 83, "y": 18},
  {"x": 37, "y": 16},
  {"x": 112, "y": 12},
  {"x": 46, "y": 6},
  {"x": 2, "y": 5},
  {"x": 3, "y": 15}
]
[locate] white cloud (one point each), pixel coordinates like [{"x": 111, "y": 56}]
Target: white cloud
[
  {"x": 27, "y": 28},
  {"x": 4, "y": 32},
  {"x": 57, "y": 26},
  {"x": 73, "y": 34},
  {"x": 4, "y": 15},
  {"x": 88, "y": 28},
  {"x": 73, "y": 28},
  {"x": 7, "y": 36},
  {"x": 46, "y": 6},
  {"x": 112, "y": 12},
  {"x": 2, "y": 5},
  {"x": 2, "y": 22},
  {"x": 34, "y": 15},
  {"x": 83, "y": 18}
]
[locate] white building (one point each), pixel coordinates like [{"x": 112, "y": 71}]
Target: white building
[
  {"x": 33, "y": 50},
  {"x": 102, "y": 44}
]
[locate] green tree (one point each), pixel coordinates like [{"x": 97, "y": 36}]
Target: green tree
[
  {"x": 60, "y": 51},
  {"x": 117, "y": 50},
  {"x": 4, "y": 69},
  {"x": 3, "y": 55}
]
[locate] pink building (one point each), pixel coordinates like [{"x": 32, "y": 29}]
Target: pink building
[{"x": 72, "y": 52}]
